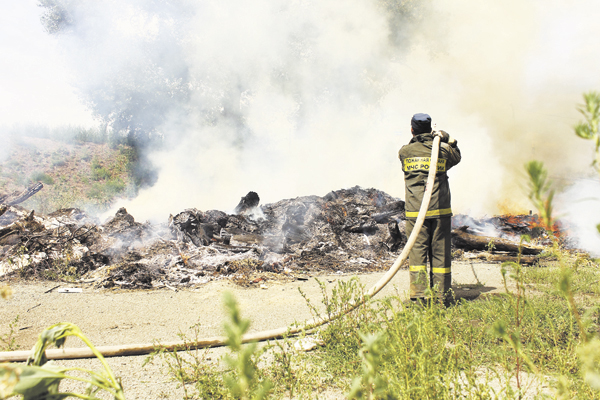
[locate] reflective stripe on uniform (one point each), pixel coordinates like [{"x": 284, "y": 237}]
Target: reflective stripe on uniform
[
  {"x": 416, "y": 268},
  {"x": 422, "y": 164},
  {"x": 443, "y": 211},
  {"x": 440, "y": 270}
]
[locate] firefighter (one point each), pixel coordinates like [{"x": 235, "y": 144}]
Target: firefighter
[{"x": 433, "y": 241}]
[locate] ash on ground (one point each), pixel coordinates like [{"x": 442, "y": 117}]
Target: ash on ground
[{"x": 347, "y": 231}]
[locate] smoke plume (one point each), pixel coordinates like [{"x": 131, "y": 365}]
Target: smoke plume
[
  {"x": 300, "y": 97},
  {"x": 580, "y": 206}
]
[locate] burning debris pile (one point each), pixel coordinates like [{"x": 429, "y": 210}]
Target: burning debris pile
[
  {"x": 499, "y": 237},
  {"x": 346, "y": 231}
]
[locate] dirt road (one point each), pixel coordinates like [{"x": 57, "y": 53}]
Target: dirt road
[{"x": 125, "y": 317}]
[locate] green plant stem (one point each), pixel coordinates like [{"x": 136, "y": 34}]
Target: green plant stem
[
  {"x": 576, "y": 314},
  {"x": 99, "y": 356},
  {"x": 80, "y": 396},
  {"x": 180, "y": 366},
  {"x": 100, "y": 376}
]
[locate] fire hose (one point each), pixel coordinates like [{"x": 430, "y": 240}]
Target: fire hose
[{"x": 139, "y": 349}]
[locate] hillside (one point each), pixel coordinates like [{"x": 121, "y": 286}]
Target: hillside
[{"x": 79, "y": 174}]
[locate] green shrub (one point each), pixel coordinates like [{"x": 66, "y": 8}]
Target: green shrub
[
  {"x": 42, "y": 177},
  {"x": 92, "y": 135},
  {"x": 98, "y": 171},
  {"x": 107, "y": 190},
  {"x": 86, "y": 156},
  {"x": 115, "y": 186},
  {"x": 100, "y": 174}
]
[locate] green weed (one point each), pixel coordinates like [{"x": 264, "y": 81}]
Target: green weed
[
  {"x": 512, "y": 333},
  {"x": 199, "y": 379},
  {"x": 241, "y": 381},
  {"x": 102, "y": 194},
  {"x": 588, "y": 343},
  {"x": 9, "y": 340},
  {"x": 500, "y": 346},
  {"x": 584, "y": 281},
  {"x": 586, "y": 340},
  {"x": 293, "y": 373},
  {"x": 540, "y": 193},
  {"x": 193, "y": 369},
  {"x": 342, "y": 335},
  {"x": 42, "y": 177},
  {"x": 98, "y": 171},
  {"x": 40, "y": 379},
  {"x": 371, "y": 385},
  {"x": 589, "y": 129}
]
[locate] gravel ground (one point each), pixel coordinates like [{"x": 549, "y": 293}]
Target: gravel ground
[{"x": 126, "y": 317}]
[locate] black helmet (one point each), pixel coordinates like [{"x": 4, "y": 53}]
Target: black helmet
[{"x": 421, "y": 123}]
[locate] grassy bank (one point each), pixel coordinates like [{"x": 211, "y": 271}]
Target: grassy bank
[
  {"x": 529, "y": 343},
  {"x": 88, "y": 169}
]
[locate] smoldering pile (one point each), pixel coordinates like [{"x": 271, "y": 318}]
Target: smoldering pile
[{"x": 346, "y": 231}]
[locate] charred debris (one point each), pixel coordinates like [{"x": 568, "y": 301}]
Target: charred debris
[{"x": 346, "y": 231}]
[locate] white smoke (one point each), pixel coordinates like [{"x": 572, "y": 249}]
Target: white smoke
[
  {"x": 35, "y": 85},
  {"x": 332, "y": 109},
  {"x": 299, "y": 97},
  {"x": 579, "y": 207}
]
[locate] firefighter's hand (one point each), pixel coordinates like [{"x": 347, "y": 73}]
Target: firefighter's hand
[{"x": 446, "y": 138}]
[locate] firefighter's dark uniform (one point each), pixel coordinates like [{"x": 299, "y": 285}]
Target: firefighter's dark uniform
[{"x": 433, "y": 242}]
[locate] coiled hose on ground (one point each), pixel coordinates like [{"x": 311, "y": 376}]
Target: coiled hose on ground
[{"x": 138, "y": 349}]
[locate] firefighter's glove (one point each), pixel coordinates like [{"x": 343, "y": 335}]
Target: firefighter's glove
[{"x": 446, "y": 138}]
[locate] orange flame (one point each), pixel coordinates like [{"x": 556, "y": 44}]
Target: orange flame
[{"x": 531, "y": 222}]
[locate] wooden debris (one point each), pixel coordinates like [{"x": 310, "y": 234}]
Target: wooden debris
[
  {"x": 52, "y": 288},
  {"x": 70, "y": 290},
  {"x": 463, "y": 240},
  {"x": 247, "y": 202},
  {"x": 19, "y": 197}
]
